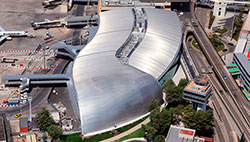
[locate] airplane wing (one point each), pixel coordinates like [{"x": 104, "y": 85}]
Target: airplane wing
[
  {"x": 3, "y": 38},
  {"x": 1, "y": 29}
]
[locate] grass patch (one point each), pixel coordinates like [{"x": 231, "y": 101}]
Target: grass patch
[
  {"x": 216, "y": 42},
  {"x": 136, "y": 134},
  {"x": 100, "y": 137},
  {"x": 110, "y": 134},
  {"x": 211, "y": 19},
  {"x": 195, "y": 44},
  {"x": 71, "y": 138},
  {"x": 218, "y": 45},
  {"x": 127, "y": 127},
  {"x": 222, "y": 31},
  {"x": 237, "y": 25}
]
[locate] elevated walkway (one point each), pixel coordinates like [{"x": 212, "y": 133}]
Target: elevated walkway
[
  {"x": 48, "y": 79},
  {"x": 70, "y": 51}
]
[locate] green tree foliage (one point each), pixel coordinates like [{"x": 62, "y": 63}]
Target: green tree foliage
[
  {"x": 161, "y": 120},
  {"x": 201, "y": 121},
  {"x": 178, "y": 110},
  {"x": 183, "y": 83},
  {"x": 160, "y": 123},
  {"x": 159, "y": 138},
  {"x": 150, "y": 131},
  {"x": 238, "y": 24},
  {"x": 211, "y": 20},
  {"x": 177, "y": 113},
  {"x": 55, "y": 131},
  {"x": 169, "y": 83},
  {"x": 174, "y": 93},
  {"x": 44, "y": 119},
  {"x": 153, "y": 104},
  {"x": 218, "y": 45}
]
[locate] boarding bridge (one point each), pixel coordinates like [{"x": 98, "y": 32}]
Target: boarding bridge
[
  {"x": 63, "y": 49},
  {"x": 67, "y": 21},
  {"x": 40, "y": 79}
]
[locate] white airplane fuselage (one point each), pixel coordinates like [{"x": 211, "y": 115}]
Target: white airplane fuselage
[{"x": 13, "y": 33}]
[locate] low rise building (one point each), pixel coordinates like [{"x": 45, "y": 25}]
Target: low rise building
[
  {"x": 244, "y": 65},
  {"x": 23, "y": 124},
  {"x": 178, "y": 134},
  {"x": 198, "y": 92}
]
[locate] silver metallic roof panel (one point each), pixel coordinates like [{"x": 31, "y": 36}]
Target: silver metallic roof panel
[
  {"x": 160, "y": 44},
  {"x": 112, "y": 94}
]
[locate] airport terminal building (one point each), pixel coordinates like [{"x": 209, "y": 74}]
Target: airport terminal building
[
  {"x": 121, "y": 69},
  {"x": 114, "y": 77}
]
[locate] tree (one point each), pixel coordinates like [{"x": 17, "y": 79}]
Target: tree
[
  {"x": 188, "y": 117},
  {"x": 150, "y": 131},
  {"x": 201, "y": 121},
  {"x": 174, "y": 93},
  {"x": 174, "y": 96},
  {"x": 177, "y": 113},
  {"x": 205, "y": 123},
  {"x": 154, "y": 103},
  {"x": 44, "y": 119},
  {"x": 183, "y": 83},
  {"x": 55, "y": 131},
  {"x": 161, "y": 121},
  {"x": 159, "y": 138},
  {"x": 169, "y": 83}
]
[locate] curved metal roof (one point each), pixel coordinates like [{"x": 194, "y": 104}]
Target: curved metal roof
[
  {"x": 110, "y": 93},
  {"x": 160, "y": 44}
]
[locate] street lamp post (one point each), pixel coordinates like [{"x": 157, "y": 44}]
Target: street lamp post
[
  {"x": 43, "y": 57},
  {"x": 30, "y": 118}
]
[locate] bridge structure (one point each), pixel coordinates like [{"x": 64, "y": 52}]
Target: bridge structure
[{"x": 221, "y": 6}]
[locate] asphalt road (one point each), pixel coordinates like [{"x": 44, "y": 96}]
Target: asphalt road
[
  {"x": 236, "y": 103},
  {"x": 224, "y": 136}
]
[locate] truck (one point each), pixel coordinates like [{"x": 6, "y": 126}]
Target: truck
[
  {"x": 8, "y": 60},
  {"x": 13, "y": 103}
]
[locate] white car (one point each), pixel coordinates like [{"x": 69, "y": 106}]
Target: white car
[
  {"x": 24, "y": 96},
  {"x": 181, "y": 13},
  {"x": 23, "y": 101}
]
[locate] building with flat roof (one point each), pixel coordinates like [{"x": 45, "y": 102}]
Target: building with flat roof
[
  {"x": 242, "y": 57},
  {"x": 178, "y": 134},
  {"x": 244, "y": 65},
  {"x": 23, "y": 124},
  {"x": 198, "y": 92}
]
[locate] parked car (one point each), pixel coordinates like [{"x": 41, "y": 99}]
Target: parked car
[
  {"x": 18, "y": 115},
  {"x": 181, "y": 13}
]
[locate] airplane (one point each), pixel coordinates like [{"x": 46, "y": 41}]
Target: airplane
[{"x": 8, "y": 34}]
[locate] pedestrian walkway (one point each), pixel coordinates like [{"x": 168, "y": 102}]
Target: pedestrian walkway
[
  {"x": 117, "y": 137},
  {"x": 135, "y": 139}
]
